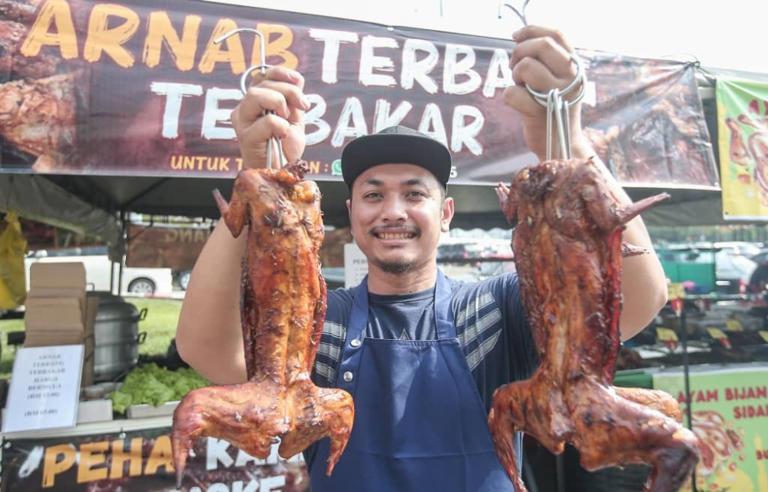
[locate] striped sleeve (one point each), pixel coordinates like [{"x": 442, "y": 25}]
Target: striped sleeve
[{"x": 329, "y": 351}]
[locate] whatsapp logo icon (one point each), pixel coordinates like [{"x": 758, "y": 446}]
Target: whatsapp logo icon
[{"x": 336, "y": 167}]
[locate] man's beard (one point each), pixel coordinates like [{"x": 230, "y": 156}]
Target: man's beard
[{"x": 394, "y": 267}]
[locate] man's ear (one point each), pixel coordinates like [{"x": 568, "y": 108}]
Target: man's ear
[
  {"x": 446, "y": 214},
  {"x": 348, "y": 202}
]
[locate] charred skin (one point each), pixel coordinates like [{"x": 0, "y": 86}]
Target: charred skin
[
  {"x": 282, "y": 311},
  {"x": 568, "y": 252}
]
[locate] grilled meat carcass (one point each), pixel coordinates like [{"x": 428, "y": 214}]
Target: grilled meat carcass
[
  {"x": 39, "y": 117},
  {"x": 568, "y": 251},
  {"x": 283, "y": 310},
  {"x": 17, "y": 11},
  {"x": 13, "y": 65}
]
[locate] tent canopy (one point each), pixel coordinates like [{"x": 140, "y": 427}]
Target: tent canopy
[{"x": 92, "y": 203}]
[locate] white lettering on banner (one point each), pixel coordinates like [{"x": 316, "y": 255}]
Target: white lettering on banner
[
  {"x": 432, "y": 123},
  {"x": 351, "y": 122},
  {"x": 459, "y": 60},
  {"x": 272, "y": 483},
  {"x": 31, "y": 462},
  {"x": 266, "y": 484},
  {"x": 313, "y": 117},
  {"x": 252, "y": 486},
  {"x": 459, "y": 76},
  {"x": 466, "y": 122},
  {"x": 418, "y": 70},
  {"x": 462, "y": 133},
  {"x": 369, "y": 62},
  {"x": 244, "y": 458},
  {"x": 216, "y": 452},
  {"x": 382, "y": 118},
  {"x": 218, "y": 487},
  {"x": 237, "y": 486},
  {"x": 332, "y": 41},
  {"x": 499, "y": 74},
  {"x": 212, "y": 114},
  {"x": 174, "y": 93}
]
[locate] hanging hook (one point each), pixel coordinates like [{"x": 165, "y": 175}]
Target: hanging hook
[
  {"x": 558, "y": 108},
  {"x": 244, "y": 83},
  {"x": 519, "y": 13}
]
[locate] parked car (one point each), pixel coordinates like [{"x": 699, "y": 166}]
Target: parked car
[
  {"x": 453, "y": 252},
  {"x": 182, "y": 278},
  {"x": 761, "y": 257},
  {"x": 743, "y": 248},
  {"x": 147, "y": 281},
  {"x": 733, "y": 271},
  {"x": 723, "y": 266}
]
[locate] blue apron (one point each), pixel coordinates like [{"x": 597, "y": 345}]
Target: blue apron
[{"x": 420, "y": 424}]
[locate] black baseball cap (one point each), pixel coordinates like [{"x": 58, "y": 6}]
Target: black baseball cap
[{"x": 395, "y": 145}]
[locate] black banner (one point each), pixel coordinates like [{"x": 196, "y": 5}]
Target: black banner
[
  {"x": 141, "y": 461},
  {"x": 140, "y": 88}
]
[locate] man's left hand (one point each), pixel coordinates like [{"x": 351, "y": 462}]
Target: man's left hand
[{"x": 542, "y": 60}]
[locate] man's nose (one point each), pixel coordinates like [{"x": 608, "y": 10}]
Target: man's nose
[{"x": 394, "y": 210}]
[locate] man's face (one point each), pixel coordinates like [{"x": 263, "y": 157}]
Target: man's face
[{"x": 397, "y": 212}]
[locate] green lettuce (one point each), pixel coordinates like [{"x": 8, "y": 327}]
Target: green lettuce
[{"x": 154, "y": 385}]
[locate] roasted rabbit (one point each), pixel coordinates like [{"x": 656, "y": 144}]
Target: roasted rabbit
[
  {"x": 282, "y": 311},
  {"x": 568, "y": 249}
]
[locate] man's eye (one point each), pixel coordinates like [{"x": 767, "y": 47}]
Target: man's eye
[
  {"x": 372, "y": 196},
  {"x": 415, "y": 195}
]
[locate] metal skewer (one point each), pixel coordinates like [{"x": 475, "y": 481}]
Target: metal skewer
[
  {"x": 557, "y": 107},
  {"x": 244, "y": 84}
]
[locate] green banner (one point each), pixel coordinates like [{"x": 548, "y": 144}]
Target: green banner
[
  {"x": 730, "y": 418},
  {"x": 742, "y": 113}
]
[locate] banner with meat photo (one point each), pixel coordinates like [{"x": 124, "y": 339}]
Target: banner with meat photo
[
  {"x": 730, "y": 417},
  {"x": 140, "y": 88},
  {"x": 169, "y": 246},
  {"x": 742, "y": 118},
  {"x": 140, "y": 461}
]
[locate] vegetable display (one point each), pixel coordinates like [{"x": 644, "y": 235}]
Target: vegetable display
[{"x": 155, "y": 385}]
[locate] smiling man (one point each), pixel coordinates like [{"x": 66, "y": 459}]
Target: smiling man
[
  {"x": 398, "y": 205},
  {"x": 421, "y": 354}
]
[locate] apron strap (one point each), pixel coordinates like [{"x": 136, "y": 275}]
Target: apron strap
[{"x": 444, "y": 329}]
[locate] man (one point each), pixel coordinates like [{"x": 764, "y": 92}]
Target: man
[{"x": 420, "y": 354}]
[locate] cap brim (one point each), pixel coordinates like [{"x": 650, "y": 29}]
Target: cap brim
[{"x": 393, "y": 148}]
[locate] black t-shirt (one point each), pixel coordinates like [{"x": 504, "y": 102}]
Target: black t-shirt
[{"x": 401, "y": 317}]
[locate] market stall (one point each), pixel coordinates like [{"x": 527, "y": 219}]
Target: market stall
[{"x": 140, "y": 125}]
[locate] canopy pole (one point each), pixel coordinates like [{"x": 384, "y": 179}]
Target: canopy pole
[{"x": 123, "y": 235}]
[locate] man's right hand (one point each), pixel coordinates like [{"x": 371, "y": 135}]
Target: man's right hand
[{"x": 279, "y": 90}]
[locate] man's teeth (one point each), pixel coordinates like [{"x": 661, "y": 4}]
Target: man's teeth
[{"x": 395, "y": 235}]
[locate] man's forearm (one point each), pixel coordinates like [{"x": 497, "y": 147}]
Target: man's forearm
[{"x": 209, "y": 334}]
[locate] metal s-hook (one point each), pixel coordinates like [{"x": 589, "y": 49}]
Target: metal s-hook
[
  {"x": 520, "y": 13},
  {"x": 558, "y": 108},
  {"x": 245, "y": 77}
]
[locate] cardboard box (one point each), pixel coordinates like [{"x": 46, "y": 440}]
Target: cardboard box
[
  {"x": 58, "y": 312},
  {"x": 64, "y": 275},
  {"x": 54, "y": 313}
]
